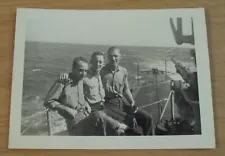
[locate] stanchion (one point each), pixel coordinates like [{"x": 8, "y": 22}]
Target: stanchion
[
  {"x": 172, "y": 110},
  {"x": 49, "y": 122}
]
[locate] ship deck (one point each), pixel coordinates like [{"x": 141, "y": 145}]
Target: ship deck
[{"x": 147, "y": 91}]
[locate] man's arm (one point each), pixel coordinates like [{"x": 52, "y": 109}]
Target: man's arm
[
  {"x": 127, "y": 92},
  {"x": 52, "y": 101},
  {"x": 52, "y": 97}
]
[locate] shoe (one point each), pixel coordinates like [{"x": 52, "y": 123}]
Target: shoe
[
  {"x": 123, "y": 126},
  {"x": 132, "y": 132},
  {"x": 120, "y": 132},
  {"x": 121, "y": 129}
]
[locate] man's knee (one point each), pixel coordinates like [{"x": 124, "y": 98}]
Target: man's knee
[
  {"x": 144, "y": 114},
  {"x": 100, "y": 114}
]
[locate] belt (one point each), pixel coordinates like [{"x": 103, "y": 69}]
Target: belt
[
  {"x": 83, "y": 110},
  {"x": 113, "y": 96},
  {"x": 100, "y": 102}
]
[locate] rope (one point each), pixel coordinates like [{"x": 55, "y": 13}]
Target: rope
[
  {"x": 153, "y": 103},
  {"x": 151, "y": 85},
  {"x": 164, "y": 109}
]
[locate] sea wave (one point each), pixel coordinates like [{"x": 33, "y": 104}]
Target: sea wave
[{"x": 44, "y": 62}]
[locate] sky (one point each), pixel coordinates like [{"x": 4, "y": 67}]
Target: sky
[{"x": 106, "y": 28}]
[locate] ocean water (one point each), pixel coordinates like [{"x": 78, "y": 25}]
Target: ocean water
[{"x": 44, "y": 62}]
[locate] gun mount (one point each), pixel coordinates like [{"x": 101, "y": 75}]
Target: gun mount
[
  {"x": 188, "y": 75},
  {"x": 186, "y": 95}
]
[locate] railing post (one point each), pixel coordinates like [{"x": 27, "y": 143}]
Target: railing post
[
  {"x": 165, "y": 70},
  {"x": 164, "y": 109},
  {"x": 172, "y": 110},
  {"x": 172, "y": 106},
  {"x": 49, "y": 122},
  {"x": 155, "y": 73}
]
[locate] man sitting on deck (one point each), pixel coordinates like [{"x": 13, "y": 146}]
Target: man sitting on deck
[
  {"x": 115, "y": 82},
  {"x": 69, "y": 101},
  {"x": 94, "y": 92}
]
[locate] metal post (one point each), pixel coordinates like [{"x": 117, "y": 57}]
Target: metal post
[
  {"x": 138, "y": 72},
  {"x": 164, "y": 109},
  {"x": 165, "y": 70},
  {"x": 172, "y": 110},
  {"x": 157, "y": 95},
  {"x": 172, "y": 106},
  {"x": 49, "y": 122}
]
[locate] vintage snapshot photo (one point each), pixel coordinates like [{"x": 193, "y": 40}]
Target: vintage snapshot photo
[{"x": 111, "y": 79}]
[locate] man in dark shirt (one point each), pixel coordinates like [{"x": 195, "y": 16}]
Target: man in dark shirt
[{"x": 68, "y": 100}]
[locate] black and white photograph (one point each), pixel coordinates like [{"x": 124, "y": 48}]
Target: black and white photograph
[{"x": 111, "y": 79}]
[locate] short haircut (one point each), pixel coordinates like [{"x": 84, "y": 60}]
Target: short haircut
[
  {"x": 112, "y": 49},
  {"x": 96, "y": 53},
  {"x": 76, "y": 60}
]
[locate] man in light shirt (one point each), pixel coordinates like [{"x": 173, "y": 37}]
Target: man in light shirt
[
  {"x": 93, "y": 88},
  {"x": 115, "y": 83}
]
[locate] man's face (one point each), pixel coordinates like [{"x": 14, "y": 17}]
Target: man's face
[
  {"x": 97, "y": 62},
  {"x": 114, "y": 57},
  {"x": 80, "y": 70}
]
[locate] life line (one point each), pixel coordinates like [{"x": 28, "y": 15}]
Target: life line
[{"x": 153, "y": 103}]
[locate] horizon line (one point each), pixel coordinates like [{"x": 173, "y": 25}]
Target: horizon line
[{"x": 157, "y": 46}]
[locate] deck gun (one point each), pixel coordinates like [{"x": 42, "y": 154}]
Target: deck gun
[
  {"x": 188, "y": 75},
  {"x": 187, "y": 96}
]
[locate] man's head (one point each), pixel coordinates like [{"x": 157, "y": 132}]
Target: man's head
[
  {"x": 114, "y": 56},
  {"x": 97, "y": 60},
  {"x": 80, "y": 67}
]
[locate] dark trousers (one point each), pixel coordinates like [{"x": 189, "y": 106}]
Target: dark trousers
[
  {"x": 143, "y": 118},
  {"x": 114, "y": 107},
  {"x": 97, "y": 107},
  {"x": 110, "y": 124},
  {"x": 82, "y": 125}
]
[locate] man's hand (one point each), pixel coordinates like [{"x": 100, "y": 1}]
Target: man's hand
[
  {"x": 88, "y": 109},
  {"x": 134, "y": 108},
  {"x": 53, "y": 105},
  {"x": 133, "y": 103},
  {"x": 65, "y": 79}
]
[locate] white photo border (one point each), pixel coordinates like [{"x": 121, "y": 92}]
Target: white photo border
[{"x": 205, "y": 140}]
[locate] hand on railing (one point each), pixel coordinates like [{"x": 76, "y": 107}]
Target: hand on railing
[{"x": 134, "y": 109}]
